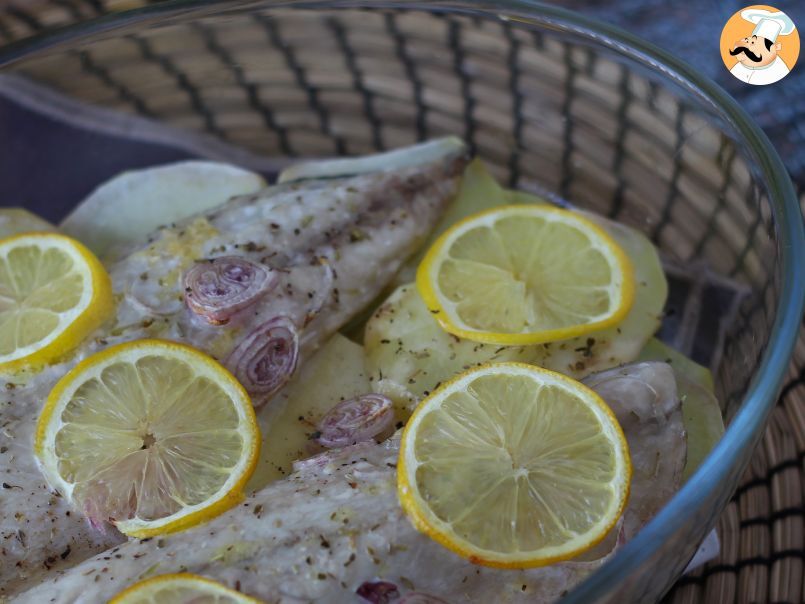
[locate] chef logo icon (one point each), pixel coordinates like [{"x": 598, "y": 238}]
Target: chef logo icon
[{"x": 760, "y": 45}]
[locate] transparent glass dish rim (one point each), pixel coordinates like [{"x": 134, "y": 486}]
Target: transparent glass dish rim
[{"x": 760, "y": 397}]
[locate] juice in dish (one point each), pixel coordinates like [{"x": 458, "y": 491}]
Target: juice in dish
[{"x": 547, "y": 426}]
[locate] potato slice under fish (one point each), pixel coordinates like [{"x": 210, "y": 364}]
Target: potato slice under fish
[
  {"x": 127, "y": 208},
  {"x": 334, "y": 373},
  {"x": 405, "y": 345},
  {"x": 14, "y": 221}
]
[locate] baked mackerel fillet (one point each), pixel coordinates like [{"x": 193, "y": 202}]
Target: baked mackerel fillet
[
  {"x": 335, "y": 527},
  {"x": 332, "y": 244}
]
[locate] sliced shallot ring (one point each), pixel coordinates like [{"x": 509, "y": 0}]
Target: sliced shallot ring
[
  {"x": 355, "y": 420},
  {"x": 378, "y": 592},
  {"x": 265, "y": 359},
  {"x": 216, "y": 289}
]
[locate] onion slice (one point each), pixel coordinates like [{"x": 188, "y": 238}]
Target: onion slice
[
  {"x": 378, "y": 592},
  {"x": 355, "y": 420},
  {"x": 218, "y": 288},
  {"x": 266, "y": 358}
]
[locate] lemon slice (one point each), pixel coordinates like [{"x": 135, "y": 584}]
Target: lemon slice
[
  {"x": 525, "y": 274},
  {"x": 53, "y": 293},
  {"x": 514, "y": 466},
  {"x": 180, "y": 588},
  {"x": 150, "y": 435}
]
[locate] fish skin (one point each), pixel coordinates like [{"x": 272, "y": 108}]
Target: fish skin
[
  {"x": 364, "y": 227},
  {"x": 294, "y": 541},
  {"x": 645, "y": 400}
]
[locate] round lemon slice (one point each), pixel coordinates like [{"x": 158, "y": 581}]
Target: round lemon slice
[
  {"x": 151, "y": 436},
  {"x": 525, "y": 274},
  {"x": 514, "y": 466},
  {"x": 180, "y": 588},
  {"x": 53, "y": 293}
]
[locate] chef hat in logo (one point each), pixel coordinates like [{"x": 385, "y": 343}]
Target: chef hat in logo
[{"x": 769, "y": 24}]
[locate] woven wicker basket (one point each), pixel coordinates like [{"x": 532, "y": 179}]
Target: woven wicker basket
[{"x": 546, "y": 115}]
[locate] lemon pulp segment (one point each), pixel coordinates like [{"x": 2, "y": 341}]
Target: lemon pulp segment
[
  {"x": 152, "y": 436},
  {"x": 53, "y": 293},
  {"x": 525, "y": 274},
  {"x": 514, "y": 466}
]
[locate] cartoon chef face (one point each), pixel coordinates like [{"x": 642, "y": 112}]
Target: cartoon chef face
[
  {"x": 755, "y": 51},
  {"x": 756, "y": 57}
]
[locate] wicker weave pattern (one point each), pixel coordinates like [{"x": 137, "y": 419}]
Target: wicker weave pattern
[{"x": 305, "y": 84}]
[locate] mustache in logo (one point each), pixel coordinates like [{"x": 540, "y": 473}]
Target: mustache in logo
[{"x": 743, "y": 49}]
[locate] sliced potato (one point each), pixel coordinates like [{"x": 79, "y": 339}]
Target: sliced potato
[
  {"x": 405, "y": 345},
  {"x": 335, "y": 373},
  {"x": 622, "y": 343},
  {"x": 701, "y": 412},
  {"x": 123, "y": 211},
  {"x": 478, "y": 191},
  {"x": 19, "y": 220},
  {"x": 606, "y": 348}
]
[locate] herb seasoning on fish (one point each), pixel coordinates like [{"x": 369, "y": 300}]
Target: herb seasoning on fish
[
  {"x": 363, "y": 269},
  {"x": 297, "y": 513}
]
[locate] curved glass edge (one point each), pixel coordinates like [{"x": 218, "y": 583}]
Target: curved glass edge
[
  {"x": 761, "y": 395},
  {"x": 52, "y": 39}
]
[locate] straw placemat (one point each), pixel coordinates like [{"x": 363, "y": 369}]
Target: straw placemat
[{"x": 762, "y": 530}]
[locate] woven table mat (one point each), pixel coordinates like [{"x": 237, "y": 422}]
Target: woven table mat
[{"x": 762, "y": 530}]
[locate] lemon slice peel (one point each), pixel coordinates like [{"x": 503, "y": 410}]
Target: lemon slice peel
[
  {"x": 148, "y": 590},
  {"x": 425, "y": 520},
  {"x": 95, "y": 303},
  {"x": 447, "y": 312},
  {"x": 200, "y": 367}
]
